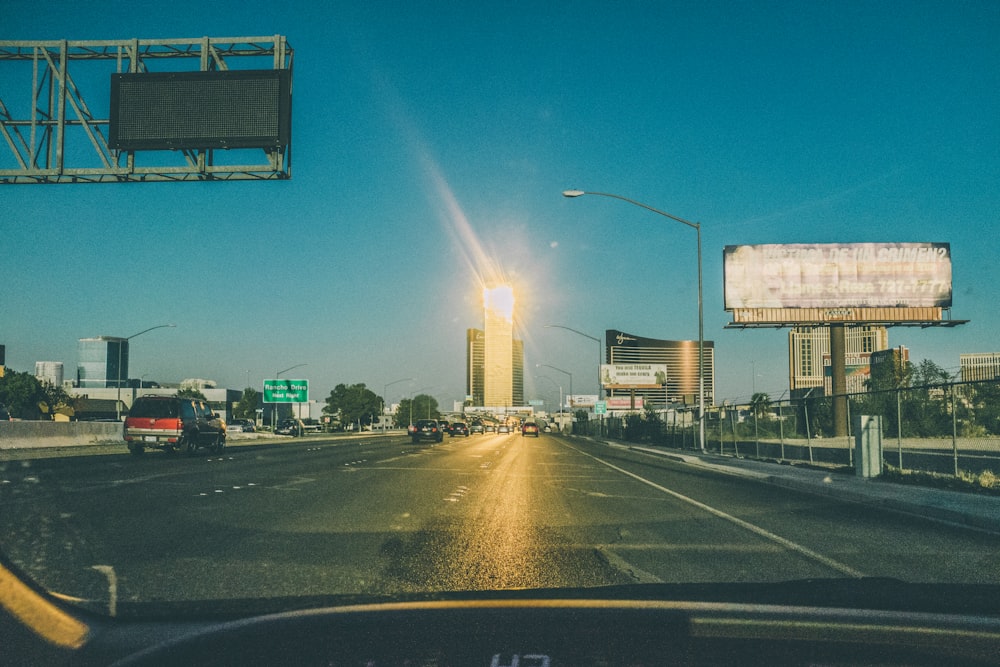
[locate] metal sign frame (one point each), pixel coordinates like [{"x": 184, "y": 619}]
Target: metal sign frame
[{"x": 57, "y": 137}]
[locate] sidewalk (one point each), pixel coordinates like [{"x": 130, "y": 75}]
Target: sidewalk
[{"x": 967, "y": 509}]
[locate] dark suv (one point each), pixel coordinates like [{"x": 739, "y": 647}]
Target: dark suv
[
  {"x": 426, "y": 429},
  {"x": 173, "y": 423}
]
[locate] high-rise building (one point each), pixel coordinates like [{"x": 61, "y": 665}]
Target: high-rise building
[
  {"x": 680, "y": 358},
  {"x": 809, "y": 362},
  {"x": 475, "y": 367},
  {"x": 517, "y": 372},
  {"x": 475, "y": 345},
  {"x": 980, "y": 366},
  {"x": 494, "y": 358},
  {"x": 888, "y": 368},
  {"x": 102, "y": 362},
  {"x": 50, "y": 372},
  {"x": 498, "y": 353}
]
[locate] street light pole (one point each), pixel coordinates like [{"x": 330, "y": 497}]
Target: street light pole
[
  {"x": 701, "y": 310},
  {"x": 554, "y": 384},
  {"x": 570, "y": 388},
  {"x": 118, "y": 403},
  {"x": 600, "y": 357}
]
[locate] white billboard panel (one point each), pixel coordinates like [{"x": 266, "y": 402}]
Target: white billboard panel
[
  {"x": 837, "y": 275},
  {"x": 625, "y": 403},
  {"x": 633, "y": 375}
]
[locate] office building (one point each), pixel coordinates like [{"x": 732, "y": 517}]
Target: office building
[
  {"x": 810, "y": 364},
  {"x": 979, "y": 366},
  {"x": 475, "y": 367},
  {"x": 680, "y": 358},
  {"x": 888, "y": 368},
  {"x": 102, "y": 362},
  {"x": 498, "y": 350},
  {"x": 494, "y": 372}
]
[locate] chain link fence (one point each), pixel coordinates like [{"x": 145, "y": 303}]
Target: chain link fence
[{"x": 950, "y": 428}]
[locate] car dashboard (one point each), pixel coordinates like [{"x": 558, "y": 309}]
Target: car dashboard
[{"x": 662, "y": 625}]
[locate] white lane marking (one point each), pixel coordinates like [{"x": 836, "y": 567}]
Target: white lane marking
[
  {"x": 622, "y": 565},
  {"x": 457, "y": 494},
  {"x": 109, "y": 572},
  {"x": 757, "y": 530}
]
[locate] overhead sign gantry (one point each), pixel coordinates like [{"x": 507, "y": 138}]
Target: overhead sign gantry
[{"x": 209, "y": 108}]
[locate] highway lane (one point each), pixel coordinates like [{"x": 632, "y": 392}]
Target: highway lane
[{"x": 381, "y": 515}]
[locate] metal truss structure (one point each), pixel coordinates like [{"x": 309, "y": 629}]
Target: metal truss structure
[{"x": 52, "y": 135}]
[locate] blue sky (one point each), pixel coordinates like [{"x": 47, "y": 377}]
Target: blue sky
[{"x": 432, "y": 141}]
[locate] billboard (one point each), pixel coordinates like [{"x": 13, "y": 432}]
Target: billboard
[
  {"x": 633, "y": 376},
  {"x": 217, "y": 109},
  {"x": 837, "y": 275}
]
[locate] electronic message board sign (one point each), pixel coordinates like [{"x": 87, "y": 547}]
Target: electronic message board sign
[
  {"x": 200, "y": 110},
  {"x": 837, "y": 275}
]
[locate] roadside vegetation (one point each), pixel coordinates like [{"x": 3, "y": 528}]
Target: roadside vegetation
[{"x": 984, "y": 482}]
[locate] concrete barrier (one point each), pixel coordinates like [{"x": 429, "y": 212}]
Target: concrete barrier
[{"x": 27, "y": 434}]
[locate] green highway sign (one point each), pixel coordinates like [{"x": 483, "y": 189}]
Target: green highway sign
[
  {"x": 286, "y": 391},
  {"x": 601, "y": 408}
]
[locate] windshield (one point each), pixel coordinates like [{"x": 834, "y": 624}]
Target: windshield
[{"x": 684, "y": 293}]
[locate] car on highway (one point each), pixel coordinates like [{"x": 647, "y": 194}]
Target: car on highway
[
  {"x": 426, "y": 429},
  {"x": 173, "y": 423},
  {"x": 241, "y": 426},
  {"x": 503, "y": 428},
  {"x": 477, "y": 427},
  {"x": 458, "y": 428},
  {"x": 529, "y": 428},
  {"x": 289, "y": 426}
]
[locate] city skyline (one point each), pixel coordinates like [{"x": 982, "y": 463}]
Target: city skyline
[{"x": 432, "y": 147}]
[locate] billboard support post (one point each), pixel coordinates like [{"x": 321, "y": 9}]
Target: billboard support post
[{"x": 838, "y": 370}]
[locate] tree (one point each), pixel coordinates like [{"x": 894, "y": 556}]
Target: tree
[
  {"x": 353, "y": 403},
  {"x": 420, "y": 406},
  {"x": 191, "y": 392},
  {"x": 247, "y": 407},
  {"x": 760, "y": 405},
  {"x": 54, "y": 399},
  {"x": 21, "y": 394},
  {"x": 927, "y": 411}
]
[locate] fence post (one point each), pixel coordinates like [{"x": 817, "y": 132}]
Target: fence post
[
  {"x": 732, "y": 423},
  {"x": 809, "y": 443},
  {"x": 899, "y": 426},
  {"x": 756, "y": 432},
  {"x": 781, "y": 431},
  {"x": 850, "y": 444},
  {"x": 954, "y": 430}
]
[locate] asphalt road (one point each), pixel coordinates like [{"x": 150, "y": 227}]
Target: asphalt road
[{"x": 381, "y": 515}]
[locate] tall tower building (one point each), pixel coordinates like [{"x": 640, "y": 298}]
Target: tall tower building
[
  {"x": 475, "y": 368},
  {"x": 494, "y": 358},
  {"x": 517, "y": 369},
  {"x": 498, "y": 353}
]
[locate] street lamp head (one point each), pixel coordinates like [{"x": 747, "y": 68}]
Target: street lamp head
[{"x": 573, "y": 193}]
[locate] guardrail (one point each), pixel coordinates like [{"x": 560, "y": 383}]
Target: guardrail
[{"x": 26, "y": 434}]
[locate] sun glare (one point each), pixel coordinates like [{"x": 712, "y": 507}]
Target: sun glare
[{"x": 500, "y": 300}]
